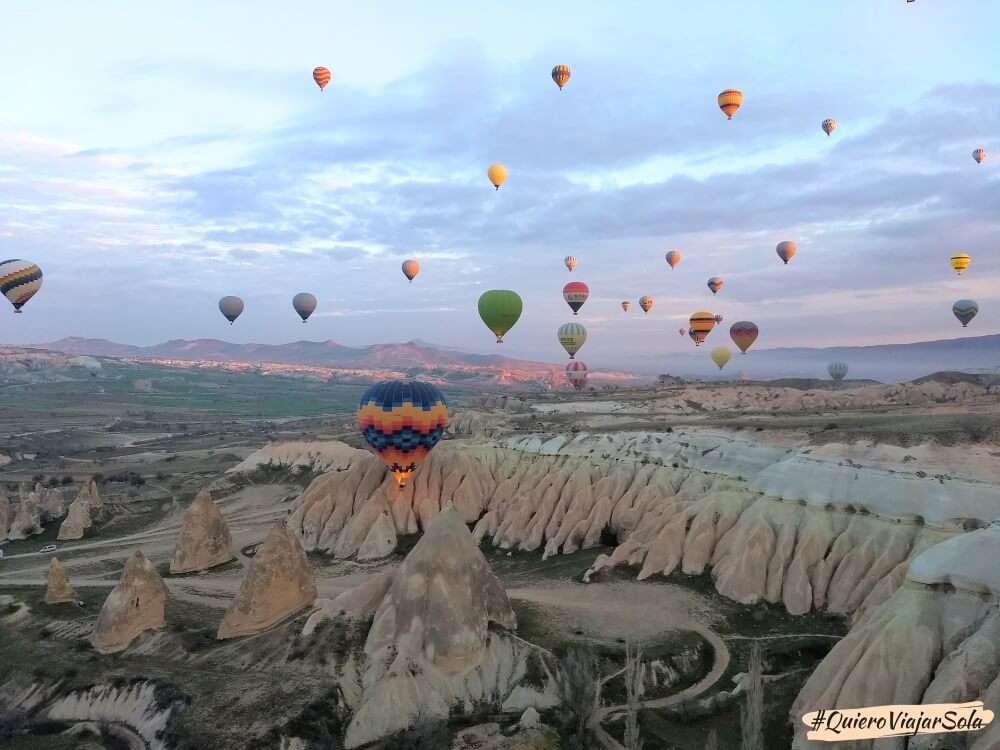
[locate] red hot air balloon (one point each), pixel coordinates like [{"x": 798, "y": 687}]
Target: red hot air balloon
[
  {"x": 743, "y": 333},
  {"x": 575, "y": 293},
  {"x": 576, "y": 374},
  {"x": 322, "y": 76}
]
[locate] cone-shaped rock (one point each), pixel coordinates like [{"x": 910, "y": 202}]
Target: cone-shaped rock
[
  {"x": 204, "y": 541},
  {"x": 135, "y": 605},
  {"x": 58, "y": 589},
  {"x": 27, "y": 520},
  {"x": 77, "y": 520},
  {"x": 5, "y": 517},
  {"x": 93, "y": 495},
  {"x": 278, "y": 584},
  {"x": 51, "y": 503}
]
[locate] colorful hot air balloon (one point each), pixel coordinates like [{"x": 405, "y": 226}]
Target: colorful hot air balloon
[
  {"x": 572, "y": 336},
  {"x": 673, "y": 258},
  {"x": 410, "y": 269},
  {"x": 304, "y": 304},
  {"x": 786, "y": 250},
  {"x": 829, "y": 125},
  {"x": 561, "y": 74},
  {"x": 322, "y": 76},
  {"x": 575, "y": 293},
  {"x": 730, "y": 101},
  {"x": 979, "y": 155},
  {"x": 720, "y": 355},
  {"x": 626, "y": 305},
  {"x": 646, "y": 303},
  {"x": 715, "y": 284},
  {"x": 837, "y": 370},
  {"x": 576, "y": 374},
  {"x": 20, "y": 280},
  {"x": 500, "y": 309},
  {"x": 743, "y": 333},
  {"x": 231, "y": 308},
  {"x": 965, "y": 310},
  {"x": 402, "y": 420},
  {"x": 718, "y": 318},
  {"x": 960, "y": 261},
  {"x": 701, "y": 324},
  {"x": 694, "y": 337},
  {"x": 497, "y": 174},
  {"x": 570, "y": 262}
]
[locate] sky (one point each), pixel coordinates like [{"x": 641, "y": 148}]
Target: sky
[{"x": 155, "y": 157}]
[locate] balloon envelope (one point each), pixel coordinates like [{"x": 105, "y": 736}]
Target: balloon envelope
[
  {"x": 500, "y": 309},
  {"x": 743, "y": 333},
  {"x": 410, "y": 269},
  {"x": 561, "y": 75},
  {"x": 575, "y": 293},
  {"x": 572, "y": 336},
  {"x": 576, "y": 374},
  {"x": 231, "y": 308},
  {"x": 322, "y": 76},
  {"x": 730, "y": 101},
  {"x": 965, "y": 310},
  {"x": 720, "y": 355},
  {"x": 402, "y": 421},
  {"x": 570, "y": 262},
  {"x": 701, "y": 325},
  {"x": 979, "y": 155},
  {"x": 786, "y": 250},
  {"x": 646, "y": 303},
  {"x": 960, "y": 261},
  {"x": 673, "y": 258},
  {"x": 20, "y": 280},
  {"x": 304, "y": 304},
  {"x": 626, "y": 305},
  {"x": 715, "y": 284},
  {"x": 497, "y": 174},
  {"x": 837, "y": 370},
  {"x": 829, "y": 125}
]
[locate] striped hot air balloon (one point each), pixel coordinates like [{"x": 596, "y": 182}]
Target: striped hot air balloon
[
  {"x": 322, "y": 76},
  {"x": 960, "y": 262},
  {"x": 702, "y": 324},
  {"x": 715, "y": 284},
  {"x": 646, "y": 303},
  {"x": 673, "y": 258},
  {"x": 561, "y": 75},
  {"x": 965, "y": 310},
  {"x": 829, "y": 125},
  {"x": 730, "y": 101},
  {"x": 410, "y": 269},
  {"x": 786, "y": 250},
  {"x": 231, "y": 308},
  {"x": 743, "y": 333},
  {"x": 575, "y": 293},
  {"x": 979, "y": 155},
  {"x": 837, "y": 370},
  {"x": 570, "y": 262},
  {"x": 576, "y": 374},
  {"x": 402, "y": 421},
  {"x": 20, "y": 280},
  {"x": 572, "y": 336},
  {"x": 626, "y": 305}
]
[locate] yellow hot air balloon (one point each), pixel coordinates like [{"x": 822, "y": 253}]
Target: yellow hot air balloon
[
  {"x": 721, "y": 355},
  {"x": 730, "y": 101},
  {"x": 497, "y": 174},
  {"x": 702, "y": 323},
  {"x": 646, "y": 303},
  {"x": 960, "y": 261},
  {"x": 561, "y": 74},
  {"x": 829, "y": 125}
]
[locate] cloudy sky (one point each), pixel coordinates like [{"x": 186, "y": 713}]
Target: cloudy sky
[{"x": 156, "y": 156}]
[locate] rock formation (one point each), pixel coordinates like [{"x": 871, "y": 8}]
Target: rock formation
[
  {"x": 51, "y": 503},
  {"x": 92, "y": 495},
  {"x": 278, "y": 584},
  {"x": 58, "y": 590},
  {"x": 134, "y": 606},
  {"x": 77, "y": 520},
  {"x": 430, "y": 650},
  {"x": 27, "y": 519},
  {"x": 204, "y": 540},
  {"x": 5, "y": 517},
  {"x": 317, "y": 456}
]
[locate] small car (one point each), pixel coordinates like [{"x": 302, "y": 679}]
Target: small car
[{"x": 47, "y": 548}]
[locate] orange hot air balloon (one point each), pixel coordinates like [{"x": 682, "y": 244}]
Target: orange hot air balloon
[
  {"x": 829, "y": 125},
  {"x": 626, "y": 305},
  {"x": 743, "y": 333},
  {"x": 497, "y": 174},
  {"x": 673, "y": 258},
  {"x": 570, "y": 262},
  {"x": 715, "y": 284},
  {"x": 786, "y": 250},
  {"x": 646, "y": 303},
  {"x": 979, "y": 155},
  {"x": 730, "y": 101},
  {"x": 561, "y": 74},
  {"x": 702, "y": 324},
  {"x": 410, "y": 269},
  {"x": 322, "y": 76}
]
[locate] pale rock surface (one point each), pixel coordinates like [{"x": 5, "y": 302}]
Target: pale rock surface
[
  {"x": 204, "y": 540},
  {"x": 132, "y": 705},
  {"x": 92, "y": 494},
  {"x": 77, "y": 520},
  {"x": 329, "y": 455},
  {"x": 358, "y": 603},
  {"x": 51, "y": 503},
  {"x": 490, "y": 737},
  {"x": 278, "y": 584},
  {"x": 134, "y": 606},
  {"x": 27, "y": 519},
  {"x": 5, "y": 517},
  {"x": 58, "y": 589},
  {"x": 380, "y": 541}
]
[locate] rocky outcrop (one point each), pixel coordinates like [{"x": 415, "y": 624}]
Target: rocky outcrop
[
  {"x": 315, "y": 456},
  {"x": 27, "y": 519},
  {"x": 92, "y": 494},
  {"x": 58, "y": 590},
  {"x": 358, "y": 603},
  {"x": 5, "y": 517},
  {"x": 278, "y": 584},
  {"x": 204, "y": 540},
  {"x": 77, "y": 520},
  {"x": 430, "y": 650},
  {"x": 134, "y": 606},
  {"x": 51, "y": 503}
]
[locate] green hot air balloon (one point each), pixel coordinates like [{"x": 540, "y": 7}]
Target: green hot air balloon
[{"x": 500, "y": 309}]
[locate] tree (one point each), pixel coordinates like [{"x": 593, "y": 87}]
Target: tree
[
  {"x": 635, "y": 672},
  {"x": 578, "y": 688},
  {"x": 752, "y": 712}
]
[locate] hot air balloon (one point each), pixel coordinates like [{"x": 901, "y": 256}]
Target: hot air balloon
[
  {"x": 730, "y": 101},
  {"x": 673, "y": 258},
  {"x": 572, "y": 336},
  {"x": 694, "y": 337},
  {"x": 786, "y": 250},
  {"x": 231, "y": 308},
  {"x": 683, "y": 331},
  {"x": 965, "y": 310},
  {"x": 402, "y": 420},
  {"x": 626, "y": 305},
  {"x": 304, "y": 304},
  {"x": 576, "y": 374},
  {"x": 743, "y": 333},
  {"x": 701, "y": 324},
  {"x": 715, "y": 284},
  {"x": 720, "y": 355},
  {"x": 979, "y": 155},
  {"x": 575, "y": 293},
  {"x": 322, "y": 76},
  {"x": 570, "y": 262},
  {"x": 20, "y": 280},
  {"x": 410, "y": 269},
  {"x": 497, "y": 174},
  {"x": 837, "y": 370},
  {"x": 829, "y": 125},
  {"x": 646, "y": 303},
  {"x": 500, "y": 309},
  {"x": 561, "y": 74},
  {"x": 960, "y": 261},
  {"x": 718, "y": 318}
]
